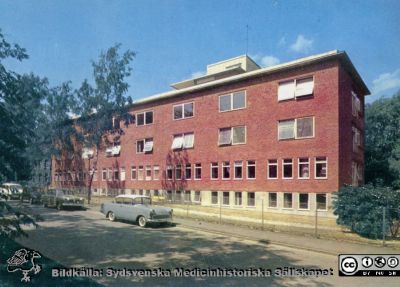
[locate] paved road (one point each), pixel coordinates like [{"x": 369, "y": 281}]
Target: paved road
[{"x": 85, "y": 238}]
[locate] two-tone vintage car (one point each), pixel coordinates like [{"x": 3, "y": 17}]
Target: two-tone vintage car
[
  {"x": 137, "y": 208},
  {"x": 61, "y": 198}
]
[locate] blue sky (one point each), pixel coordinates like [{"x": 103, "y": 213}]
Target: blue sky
[{"x": 175, "y": 40}]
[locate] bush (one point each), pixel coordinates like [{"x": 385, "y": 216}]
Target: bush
[{"x": 361, "y": 209}]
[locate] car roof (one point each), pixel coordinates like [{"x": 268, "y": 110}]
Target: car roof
[{"x": 131, "y": 196}]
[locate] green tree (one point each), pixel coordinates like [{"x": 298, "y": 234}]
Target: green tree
[
  {"x": 382, "y": 141},
  {"x": 102, "y": 106},
  {"x": 361, "y": 209}
]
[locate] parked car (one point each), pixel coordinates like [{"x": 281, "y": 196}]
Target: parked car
[
  {"x": 10, "y": 190},
  {"x": 136, "y": 208},
  {"x": 32, "y": 195},
  {"x": 61, "y": 198}
]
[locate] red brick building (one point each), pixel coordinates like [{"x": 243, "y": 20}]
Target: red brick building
[{"x": 288, "y": 136}]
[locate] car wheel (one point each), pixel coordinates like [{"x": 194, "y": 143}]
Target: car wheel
[
  {"x": 59, "y": 206},
  {"x": 142, "y": 221},
  {"x": 111, "y": 216}
]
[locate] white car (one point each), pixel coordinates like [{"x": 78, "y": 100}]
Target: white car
[{"x": 11, "y": 190}]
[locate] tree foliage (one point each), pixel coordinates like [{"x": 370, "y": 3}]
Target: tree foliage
[
  {"x": 361, "y": 209},
  {"x": 106, "y": 100},
  {"x": 382, "y": 141}
]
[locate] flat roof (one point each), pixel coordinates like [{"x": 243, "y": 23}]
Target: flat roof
[{"x": 334, "y": 54}]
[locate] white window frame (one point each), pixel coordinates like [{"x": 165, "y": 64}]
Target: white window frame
[
  {"x": 295, "y": 136},
  {"x": 102, "y": 174},
  {"x": 133, "y": 168},
  {"x": 231, "y": 99},
  {"x": 141, "y": 168},
  {"x": 122, "y": 174},
  {"x": 183, "y": 111},
  {"x": 197, "y": 166},
  {"x": 144, "y": 118},
  {"x": 283, "y": 203},
  {"x": 231, "y": 142},
  {"x": 326, "y": 202},
  {"x": 229, "y": 198},
  {"x": 218, "y": 198},
  {"x": 224, "y": 165},
  {"x": 146, "y": 140},
  {"x": 315, "y": 167},
  {"x": 308, "y": 201},
  {"x": 156, "y": 168},
  {"x": 237, "y": 163},
  {"x": 169, "y": 168},
  {"x": 146, "y": 169},
  {"x": 293, "y": 82},
  {"x": 283, "y": 168},
  {"x": 273, "y": 164},
  {"x": 247, "y": 170},
  {"x": 269, "y": 201},
  {"x": 214, "y": 165},
  {"x": 182, "y": 139},
  {"x": 188, "y": 166},
  {"x": 303, "y": 163},
  {"x": 178, "y": 167},
  {"x": 240, "y": 196},
  {"x": 247, "y": 196}
]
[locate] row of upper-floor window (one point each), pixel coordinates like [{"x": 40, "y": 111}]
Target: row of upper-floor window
[
  {"x": 234, "y": 101},
  {"x": 299, "y": 128},
  {"x": 224, "y": 170}
]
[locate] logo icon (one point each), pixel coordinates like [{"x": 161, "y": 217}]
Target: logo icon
[
  {"x": 349, "y": 265},
  {"x": 380, "y": 261},
  {"x": 24, "y": 260},
  {"x": 392, "y": 262},
  {"x": 367, "y": 262}
]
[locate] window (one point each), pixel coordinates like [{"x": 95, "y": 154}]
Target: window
[
  {"x": 287, "y": 200},
  {"x": 178, "y": 195},
  {"x": 251, "y": 169},
  {"x": 303, "y": 200},
  {"x": 321, "y": 167},
  {"x": 104, "y": 174},
  {"x": 272, "y": 199},
  {"x": 148, "y": 172},
  {"x": 214, "y": 170},
  {"x": 144, "y": 145},
  {"x": 133, "y": 173},
  {"x": 145, "y": 118},
  {"x": 169, "y": 172},
  {"x": 356, "y": 104},
  {"x": 183, "y": 141},
  {"x": 116, "y": 174},
  {"x": 287, "y": 167},
  {"x": 188, "y": 171},
  {"x": 238, "y": 198},
  {"x": 122, "y": 175},
  {"x": 238, "y": 169},
  {"x": 197, "y": 171},
  {"x": 178, "y": 171},
  {"x": 95, "y": 175},
  {"x": 226, "y": 170},
  {"x": 232, "y": 135},
  {"x": 272, "y": 169},
  {"x": 356, "y": 139},
  {"x": 295, "y": 88},
  {"x": 187, "y": 196},
  {"x": 214, "y": 197},
  {"x": 296, "y": 129},
  {"x": 304, "y": 168},
  {"x": 183, "y": 111},
  {"x": 233, "y": 101},
  {"x": 110, "y": 174},
  {"x": 225, "y": 198},
  {"x": 197, "y": 196},
  {"x": 156, "y": 172},
  {"x": 251, "y": 199},
  {"x": 321, "y": 201},
  {"x": 140, "y": 172}
]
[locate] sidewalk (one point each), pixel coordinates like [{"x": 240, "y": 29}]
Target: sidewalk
[{"x": 332, "y": 247}]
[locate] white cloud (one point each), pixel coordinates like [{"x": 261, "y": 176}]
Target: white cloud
[
  {"x": 386, "y": 82},
  {"x": 268, "y": 61},
  {"x": 282, "y": 41},
  {"x": 302, "y": 44},
  {"x": 198, "y": 74}
]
